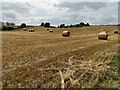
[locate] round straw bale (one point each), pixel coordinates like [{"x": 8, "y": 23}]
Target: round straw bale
[
  {"x": 25, "y": 29},
  {"x": 50, "y": 30},
  {"x": 31, "y": 30},
  {"x": 66, "y": 33},
  {"x": 47, "y": 29},
  {"x": 103, "y": 35},
  {"x": 116, "y": 31}
]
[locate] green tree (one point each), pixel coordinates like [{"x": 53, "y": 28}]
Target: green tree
[
  {"x": 82, "y": 24},
  {"x": 71, "y": 26},
  {"x": 62, "y": 25},
  {"x": 47, "y": 24},
  {"x": 23, "y": 25},
  {"x": 87, "y": 24},
  {"x": 42, "y": 24},
  {"x": 7, "y": 23}
]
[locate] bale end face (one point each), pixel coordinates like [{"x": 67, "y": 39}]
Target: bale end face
[
  {"x": 66, "y": 33},
  {"x": 51, "y": 31},
  {"x": 116, "y": 31},
  {"x": 103, "y": 36}
]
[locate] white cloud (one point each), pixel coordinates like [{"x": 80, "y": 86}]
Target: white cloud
[{"x": 59, "y": 11}]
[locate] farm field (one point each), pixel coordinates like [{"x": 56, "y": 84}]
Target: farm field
[{"x": 44, "y": 59}]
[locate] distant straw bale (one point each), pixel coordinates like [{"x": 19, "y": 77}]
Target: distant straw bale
[
  {"x": 25, "y": 29},
  {"x": 50, "y": 30},
  {"x": 31, "y": 30}
]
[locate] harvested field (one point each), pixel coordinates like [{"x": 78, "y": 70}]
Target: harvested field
[{"x": 48, "y": 60}]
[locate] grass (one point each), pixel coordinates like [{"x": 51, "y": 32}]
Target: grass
[{"x": 110, "y": 79}]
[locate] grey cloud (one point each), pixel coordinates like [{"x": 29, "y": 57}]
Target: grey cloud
[
  {"x": 7, "y": 19},
  {"x": 12, "y": 11},
  {"x": 17, "y": 7},
  {"x": 9, "y": 15},
  {"x": 109, "y": 20},
  {"x": 77, "y": 6}
]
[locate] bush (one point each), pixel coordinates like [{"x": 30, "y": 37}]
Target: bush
[{"x": 7, "y": 28}]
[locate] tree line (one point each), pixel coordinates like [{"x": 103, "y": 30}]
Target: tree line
[
  {"x": 7, "y": 26},
  {"x": 65, "y": 26},
  {"x": 73, "y": 26},
  {"x": 12, "y": 26}
]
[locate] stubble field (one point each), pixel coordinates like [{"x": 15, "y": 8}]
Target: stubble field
[{"x": 44, "y": 59}]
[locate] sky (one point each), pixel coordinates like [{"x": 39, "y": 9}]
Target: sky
[{"x": 34, "y": 12}]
